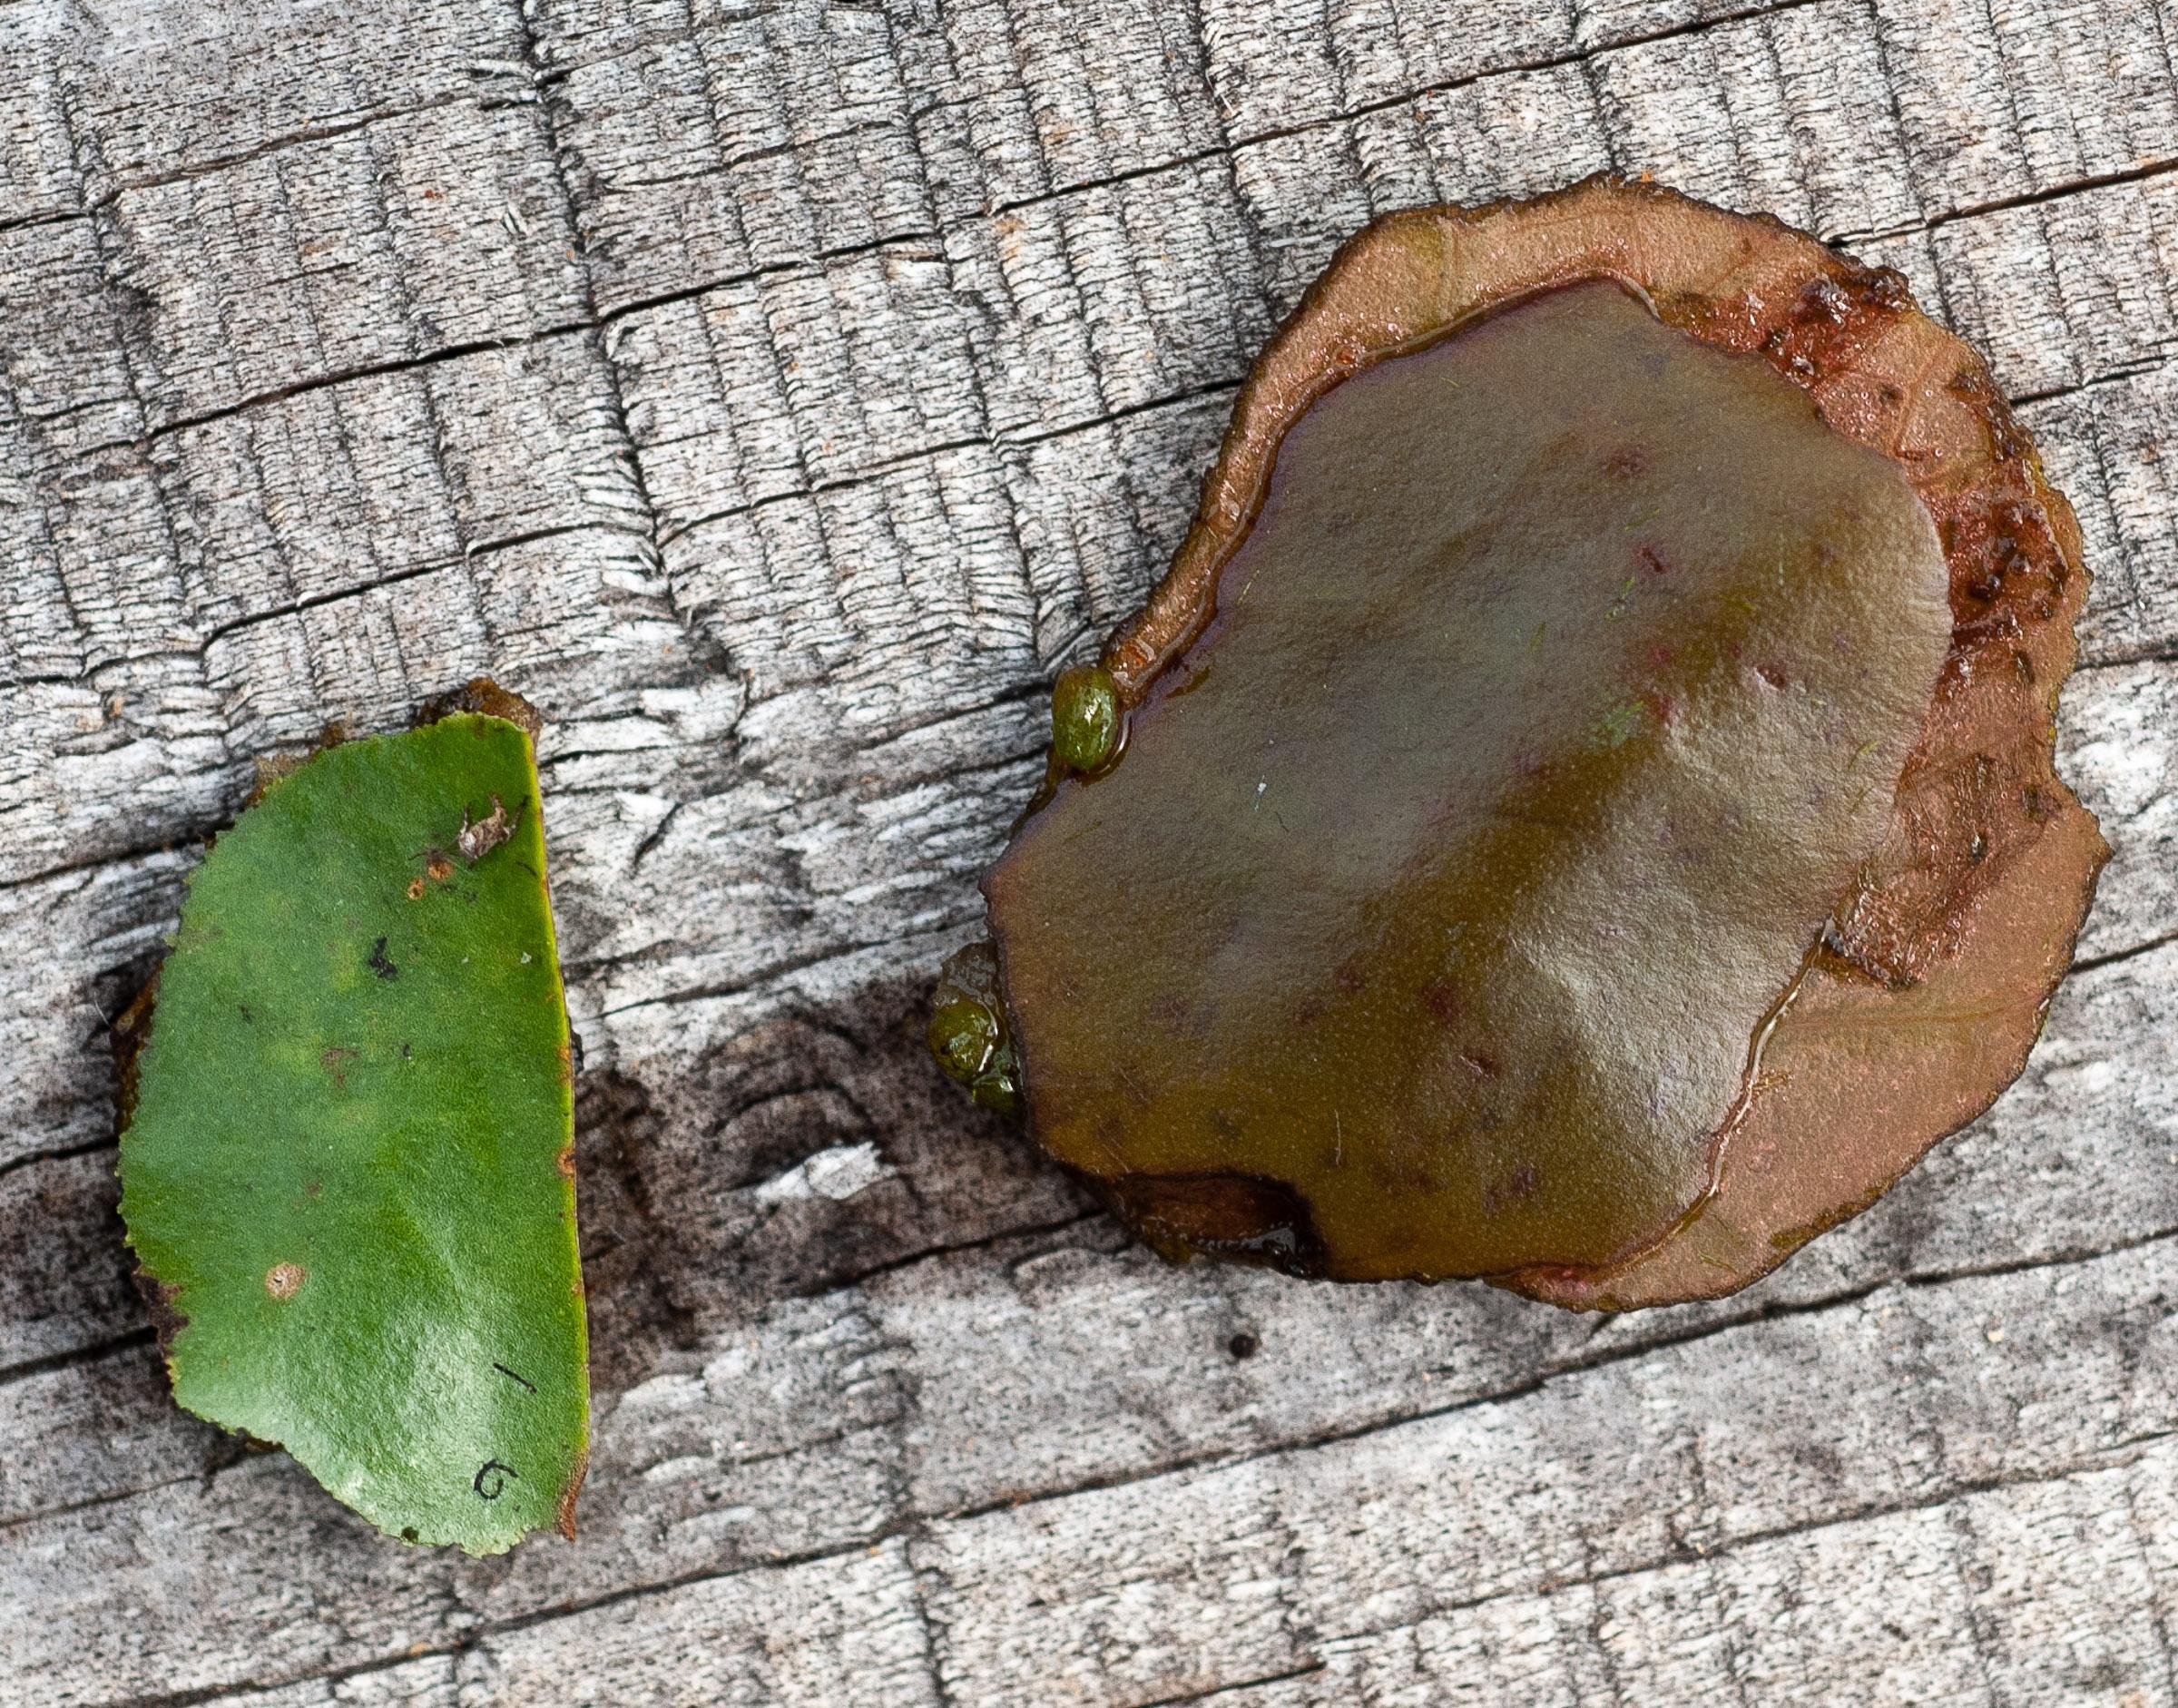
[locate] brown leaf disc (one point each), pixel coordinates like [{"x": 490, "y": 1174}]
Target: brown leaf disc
[{"x": 1615, "y": 962}]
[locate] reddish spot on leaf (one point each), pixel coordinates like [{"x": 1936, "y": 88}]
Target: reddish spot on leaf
[{"x": 1442, "y": 1001}]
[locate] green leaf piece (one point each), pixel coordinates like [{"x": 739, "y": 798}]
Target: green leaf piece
[{"x": 348, "y": 1168}]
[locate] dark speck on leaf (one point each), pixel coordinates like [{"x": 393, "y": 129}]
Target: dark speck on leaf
[
  {"x": 378, "y": 963},
  {"x": 1442, "y": 1001}
]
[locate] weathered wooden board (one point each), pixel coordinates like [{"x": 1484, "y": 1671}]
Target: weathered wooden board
[{"x": 779, "y": 394}]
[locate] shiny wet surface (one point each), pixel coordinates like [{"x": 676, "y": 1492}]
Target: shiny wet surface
[{"x": 1449, "y": 876}]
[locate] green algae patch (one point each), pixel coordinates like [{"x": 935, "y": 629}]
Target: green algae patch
[
  {"x": 347, "y": 1161},
  {"x": 1084, "y": 719},
  {"x": 967, "y": 1032}
]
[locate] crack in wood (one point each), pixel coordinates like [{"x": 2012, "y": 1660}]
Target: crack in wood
[
  {"x": 29, "y": 1368},
  {"x": 1286, "y": 1676},
  {"x": 2146, "y": 173},
  {"x": 2117, "y": 1456},
  {"x": 600, "y": 320}
]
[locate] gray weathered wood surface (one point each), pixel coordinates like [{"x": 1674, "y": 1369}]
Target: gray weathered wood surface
[{"x": 779, "y": 394}]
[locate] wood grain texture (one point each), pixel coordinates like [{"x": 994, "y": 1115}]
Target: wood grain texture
[{"x": 779, "y": 395}]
